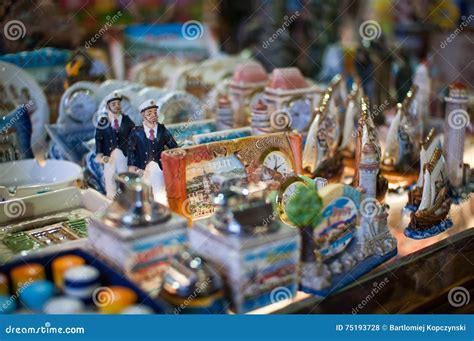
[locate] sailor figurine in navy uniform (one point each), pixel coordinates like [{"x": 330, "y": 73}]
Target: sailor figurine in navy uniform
[
  {"x": 146, "y": 144},
  {"x": 111, "y": 141}
]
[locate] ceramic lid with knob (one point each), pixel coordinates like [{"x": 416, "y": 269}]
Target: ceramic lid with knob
[
  {"x": 134, "y": 206},
  {"x": 243, "y": 210}
]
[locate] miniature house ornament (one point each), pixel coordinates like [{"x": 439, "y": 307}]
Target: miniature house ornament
[
  {"x": 290, "y": 100},
  {"x": 461, "y": 181},
  {"x": 111, "y": 140},
  {"x": 248, "y": 81},
  {"x": 146, "y": 144}
]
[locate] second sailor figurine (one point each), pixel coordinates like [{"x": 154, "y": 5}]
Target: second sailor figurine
[
  {"x": 111, "y": 140},
  {"x": 146, "y": 143}
]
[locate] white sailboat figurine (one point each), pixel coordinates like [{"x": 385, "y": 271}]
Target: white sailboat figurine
[
  {"x": 321, "y": 155},
  {"x": 348, "y": 144},
  {"x": 431, "y": 217},
  {"x": 428, "y": 146},
  {"x": 401, "y": 148}
]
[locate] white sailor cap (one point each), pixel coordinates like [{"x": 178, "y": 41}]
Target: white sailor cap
[
  {"x": 113, "y": 97},
  {"x": 148, "y": 104}
]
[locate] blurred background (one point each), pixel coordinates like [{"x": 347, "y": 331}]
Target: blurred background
[{"x": 379, "y": 41}]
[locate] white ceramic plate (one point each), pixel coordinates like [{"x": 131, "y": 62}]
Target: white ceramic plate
[{"x": 23, "y": 178}]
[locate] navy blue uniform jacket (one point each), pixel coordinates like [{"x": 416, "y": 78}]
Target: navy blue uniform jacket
[
  {"x": 107, "y": 139},
  {"x": 142, "y": 150}
]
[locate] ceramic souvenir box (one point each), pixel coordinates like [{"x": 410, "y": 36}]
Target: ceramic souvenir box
[
  {"x": 140, "y": 253},
  {"x": 190, "y": 172},
  {"x": 257, "y": 268},
  {"x": 52, "y": 221}
]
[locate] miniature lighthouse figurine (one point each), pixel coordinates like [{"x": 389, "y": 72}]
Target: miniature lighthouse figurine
[
  {"x": 111, "y": 140},
  {"x": 422, "y": 80},
  {"x": 368, "y": 167},
  {"x": 456, "y": 121},
  {"x": 373, "y": 232},
  {"x": 146, "y": 144},
  {"x": 368, "y": 171}
]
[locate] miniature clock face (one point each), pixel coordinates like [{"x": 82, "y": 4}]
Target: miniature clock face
[
  {"x": 276, "y": 163},
  {"x": 301, "y": 113},
  {"x": 81, "y": 105}
]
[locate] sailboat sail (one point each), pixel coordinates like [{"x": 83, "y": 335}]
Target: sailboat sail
[
  {"x": 310, "y": 151},
  {"x": 392, "y": 144}
]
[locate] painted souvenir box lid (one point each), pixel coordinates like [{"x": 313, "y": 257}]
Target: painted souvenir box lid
[
  {"x": 123, "y": 234},
  {"x": 186, "y": 130},
  {"x": 188, "y": 40},
  {"x": 245, "y": 241},
  {"x": 190, "y": 172},
  {"x": 222, "y": 135},
  {"x": 29, "y": 220},
  {"x": 45, "y": 57}
]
